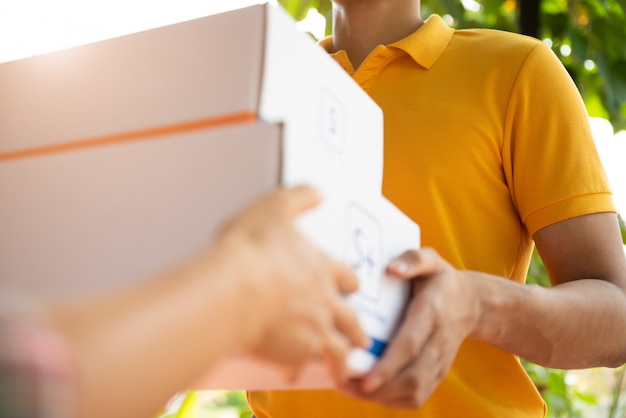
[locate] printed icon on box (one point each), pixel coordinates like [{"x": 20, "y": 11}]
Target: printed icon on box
[
  {"x": 365, "y": 251},
  {"x": 333, "y": 121}
]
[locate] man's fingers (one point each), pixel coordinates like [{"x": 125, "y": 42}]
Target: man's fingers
[
  {"x": 414, "y": 263},
  {"x": 417, "y": 381},
  {"x": 404, "y": 347}
]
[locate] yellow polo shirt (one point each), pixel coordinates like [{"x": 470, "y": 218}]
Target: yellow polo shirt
[{"x": 486, "y": 142}]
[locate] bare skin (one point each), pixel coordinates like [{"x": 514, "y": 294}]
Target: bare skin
[
  {"x": 262, "y": 288},
  {"x": 579, "y": 322},
  {"x": 359, "y": 26}
]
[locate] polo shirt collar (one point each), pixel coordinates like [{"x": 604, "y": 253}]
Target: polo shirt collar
[{"x": 425, "y": 45}]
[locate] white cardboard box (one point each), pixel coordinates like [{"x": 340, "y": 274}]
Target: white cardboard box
[
  {"x": 120, "y": 159},
  {"x": 99, "y": 218},
  {"x": 247, "y": 64}
]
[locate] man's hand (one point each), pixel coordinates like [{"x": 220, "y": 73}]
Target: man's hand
[{"x": 441, "y": 314}]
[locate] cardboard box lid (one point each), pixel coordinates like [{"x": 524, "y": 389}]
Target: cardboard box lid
[
  {"x": 158, "y": 77},
  {"x": 240, "y": 65}
]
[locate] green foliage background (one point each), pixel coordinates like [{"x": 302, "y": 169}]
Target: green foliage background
[{"x": 594, "y": 31}]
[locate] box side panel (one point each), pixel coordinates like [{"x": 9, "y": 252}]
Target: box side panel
[
  {"x": 101, "y": 218},
  {"x": 323, "y": 109},
  {"x": 182, "y": 72}
]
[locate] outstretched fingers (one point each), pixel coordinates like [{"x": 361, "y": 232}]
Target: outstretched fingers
[{"x": 299, "y": 199}]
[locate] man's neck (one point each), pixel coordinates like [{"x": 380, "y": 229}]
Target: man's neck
[{"x": 359, "y": 26}]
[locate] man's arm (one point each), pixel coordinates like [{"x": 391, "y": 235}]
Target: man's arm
[
  {"x": 261, "y": 288},
  {"x": 579, "y": 322}
]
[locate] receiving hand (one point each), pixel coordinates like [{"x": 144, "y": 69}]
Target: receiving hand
[{"x": 441, "y": 314}]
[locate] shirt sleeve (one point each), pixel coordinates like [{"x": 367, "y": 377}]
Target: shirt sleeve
[{"x": 552, "y": 165}]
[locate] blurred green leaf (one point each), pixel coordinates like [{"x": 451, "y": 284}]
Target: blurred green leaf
[
  {"x": 586, "y": 397},
  {"x": 297, "y": 8},
  {"x": 595, "y": 29}
]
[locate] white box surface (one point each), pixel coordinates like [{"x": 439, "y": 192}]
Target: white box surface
[
  {"x": 100, "y": 218},
  {"x": 247, "y": 64}
]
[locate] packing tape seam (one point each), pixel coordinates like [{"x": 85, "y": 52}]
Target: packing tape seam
[{"x": 141, "y": 134}]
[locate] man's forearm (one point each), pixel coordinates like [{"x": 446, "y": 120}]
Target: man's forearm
[{"x": 565, "y": 326}]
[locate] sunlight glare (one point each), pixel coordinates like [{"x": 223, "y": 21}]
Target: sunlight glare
[
  {"x": 32, "y": 27},
  {"x": 472, "y": 6},
  {"x": 612, "y": 149},
  {"x": 314, "y": 23}
]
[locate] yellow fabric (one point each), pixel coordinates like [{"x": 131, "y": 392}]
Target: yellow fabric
[{"x": 486, "y": 142}]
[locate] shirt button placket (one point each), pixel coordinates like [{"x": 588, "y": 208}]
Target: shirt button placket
[{"x": 371, "y": 67}]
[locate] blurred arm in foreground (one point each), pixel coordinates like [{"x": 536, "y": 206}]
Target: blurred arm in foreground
[{"x": 261, "y": 288}]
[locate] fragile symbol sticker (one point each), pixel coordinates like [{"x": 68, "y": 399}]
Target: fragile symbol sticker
[
  {"x": 332, "y": 123},
  {"x": 365, "y": 251}
]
